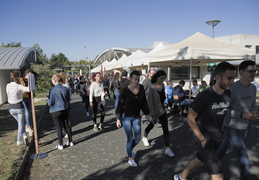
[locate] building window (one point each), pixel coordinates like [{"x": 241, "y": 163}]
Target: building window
[
  {"x": 257, "y": 49},
  {"x": 178, "y": 73},
  {"x": 248, "y": 46}
]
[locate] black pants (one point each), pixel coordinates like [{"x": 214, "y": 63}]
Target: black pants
[
  {"x": 97, "y": 105},
  {"x": 164, "y": 123},
  {"x": 108, "y": 92},
  {"x": 85, "y": 100},
  {"x": 61, "y": 118}
]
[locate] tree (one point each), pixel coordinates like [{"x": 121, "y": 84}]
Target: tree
[
  {"x": 12, "y": 44},
  {"x": 82, "y": 65},
  {"x": 58, "y": 60},
  {"x": 42, "y": 58},
  {"x": 43, "y": 83}
]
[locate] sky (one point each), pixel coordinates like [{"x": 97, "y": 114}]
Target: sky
[{"x": 83, "y": 29}]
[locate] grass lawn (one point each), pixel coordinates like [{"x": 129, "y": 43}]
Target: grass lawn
[{"x": 11, "y": 155}]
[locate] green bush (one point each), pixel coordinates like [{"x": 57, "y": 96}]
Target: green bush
[{"x": 42, "y": 78}]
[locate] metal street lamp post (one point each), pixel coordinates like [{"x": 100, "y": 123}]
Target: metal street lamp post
[{"x": 212, "y": 23}]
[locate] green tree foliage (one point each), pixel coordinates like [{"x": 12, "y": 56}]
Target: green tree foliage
[
  {"x": 12, "y": 44},
  {"x": 81, "y": 65},
  {"x": 58, "y": 60},
  {"x": 43, "y": 83},
  {"x": 42, "y": 57}
]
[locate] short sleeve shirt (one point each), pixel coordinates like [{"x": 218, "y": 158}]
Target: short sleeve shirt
[{"x": 211, "y": 108}]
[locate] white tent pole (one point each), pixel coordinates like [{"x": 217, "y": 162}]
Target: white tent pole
[
  {"x": 190, "y": 84},
  {"x": 168, "y": 73},
  {"x": 190, "y": 79}
]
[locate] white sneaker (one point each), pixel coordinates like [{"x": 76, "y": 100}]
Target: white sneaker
[
  {"x": 87, "y": 114},
  {"x": 70, "y": 143},
  {"x": 60, "y": 147},
  {"x": 132, "y": 163},
  {"x": 169, "y": 152},
  {"x": 20, "y": 143},
  {"x": 101, "y": 127},
  {"x": 145, "y": 141},
  {"x": 178, "y": 177},
  {"x": 95, "y": 128}
]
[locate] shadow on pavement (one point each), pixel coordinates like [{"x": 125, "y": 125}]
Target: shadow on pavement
[{"x": 102, "y": 155}]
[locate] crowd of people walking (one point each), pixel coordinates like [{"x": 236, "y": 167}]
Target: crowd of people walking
[{"x": 224, "y": 105}]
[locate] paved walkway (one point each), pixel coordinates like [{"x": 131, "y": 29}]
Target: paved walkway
[{"x": 102, "y": 155}]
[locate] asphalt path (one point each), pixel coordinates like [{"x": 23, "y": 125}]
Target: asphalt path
[{"x": 102, "y": 155}]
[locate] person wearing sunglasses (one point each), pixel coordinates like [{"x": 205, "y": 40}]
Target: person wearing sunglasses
[{"x": 242, "y": 109}]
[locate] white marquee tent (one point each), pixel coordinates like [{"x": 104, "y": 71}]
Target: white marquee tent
[
  {"x": 111, "y": 64},
  {"x": 121, "y": 63},
  {"x": 159, "y": 47},
  {"x": 101, "y": 67},
  {"x": 200, "y": 49},
  {"x": 96, "y": 69},
  {"x": 138, "y": 58}
]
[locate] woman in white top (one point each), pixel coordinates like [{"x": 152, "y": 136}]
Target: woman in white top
[
  {"x": 15, "y": 92},
  {"x": 96, "y": 99}
]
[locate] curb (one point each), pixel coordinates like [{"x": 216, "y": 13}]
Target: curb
[{"x": 19, "y": 173}]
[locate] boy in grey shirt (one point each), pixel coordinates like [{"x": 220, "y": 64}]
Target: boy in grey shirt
[{"x": 242, "y": 109}]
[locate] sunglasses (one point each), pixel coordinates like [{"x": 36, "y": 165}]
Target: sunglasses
[{"x": 251, "y": 71}]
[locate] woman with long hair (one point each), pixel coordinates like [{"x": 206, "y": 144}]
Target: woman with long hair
[
  {"x": 155, "y": 99},
  {"x": 59, "y": 102},
  {"x": 131, "y": 101},
  {"x": 15, "y": 92},
  {"x": 27, "y": 102},
  {"x": 96, "y": 99},
  {"x": 64, "y": 82}
]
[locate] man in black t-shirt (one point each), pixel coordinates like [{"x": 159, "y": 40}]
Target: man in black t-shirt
[{"x": 206, "y": 118}]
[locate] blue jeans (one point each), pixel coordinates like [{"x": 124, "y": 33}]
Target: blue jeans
[
  {"x": 117, "y": 95},
  {"x": 18, "y": 115},
  {"x": 132, "y": 129},
  {"x": 186, "y": 102},
  {"x": 236, "y": 141},
  {"x": 27, "y": 107}
]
